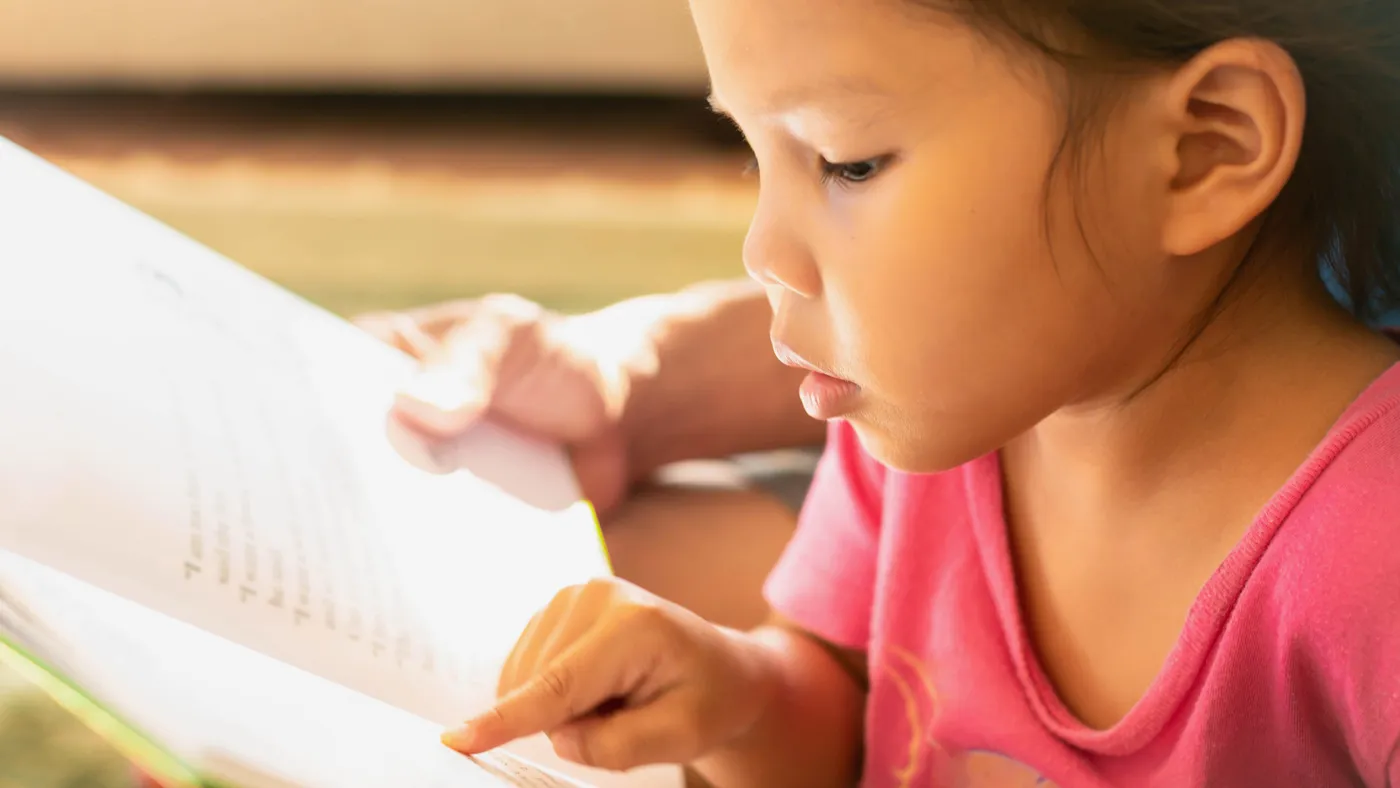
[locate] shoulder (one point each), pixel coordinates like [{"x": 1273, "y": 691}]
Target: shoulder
[
  {"x": 1339, "y": 518},
  {"x": 1336, "y": 583},
  {"x": 1343, "y": 506}
]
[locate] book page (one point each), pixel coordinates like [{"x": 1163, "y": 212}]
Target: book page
[
  {"x": 226, "y": 712},
  {"x": 181, "y": 433}
]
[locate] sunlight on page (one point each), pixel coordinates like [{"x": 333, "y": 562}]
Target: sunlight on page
[
  {"x": 200, "y": 441},
  {"x": 230, "y": 713},
  {"x": 184, "y": 434}
]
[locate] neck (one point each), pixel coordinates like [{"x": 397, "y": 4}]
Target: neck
[{"x": 1219, "y": 432}]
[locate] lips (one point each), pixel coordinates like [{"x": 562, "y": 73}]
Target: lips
[
  {"x": 789, "y": 357},
  {"x": 824, "y": 396}
]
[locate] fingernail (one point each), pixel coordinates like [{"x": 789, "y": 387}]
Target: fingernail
[{"x": 460, "y": 738}]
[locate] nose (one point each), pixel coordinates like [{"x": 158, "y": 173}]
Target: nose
[{"x": 775, "y": 254}]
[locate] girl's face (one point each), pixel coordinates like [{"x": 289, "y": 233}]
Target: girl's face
[{"x": 901, "y": 227}]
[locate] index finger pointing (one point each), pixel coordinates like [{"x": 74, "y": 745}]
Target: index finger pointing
[{"x": 581, "y": 680}]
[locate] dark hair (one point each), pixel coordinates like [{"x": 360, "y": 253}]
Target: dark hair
[{"x": 1343, "y": 200}]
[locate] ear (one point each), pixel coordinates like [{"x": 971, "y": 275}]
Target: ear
[{"x": 1235, "y": 112}]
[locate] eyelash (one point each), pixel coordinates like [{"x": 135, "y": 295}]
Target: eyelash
[{"x": 841, "y": 172}]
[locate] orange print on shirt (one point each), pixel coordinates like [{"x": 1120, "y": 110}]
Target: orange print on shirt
[{"x": 924, "y": 756}]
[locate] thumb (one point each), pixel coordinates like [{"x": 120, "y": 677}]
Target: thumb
[
  {"x": 447, "y": 397},
  {"x": 582, "y": 679},
  {"x": 633, "y": 737},
  {"x": 458, "y": 382}
]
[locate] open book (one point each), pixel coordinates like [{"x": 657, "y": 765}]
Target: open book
[{"x": 212, "y": 545}]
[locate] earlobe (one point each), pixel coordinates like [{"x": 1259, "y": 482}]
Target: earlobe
[{"x": 1237, "y": 110}]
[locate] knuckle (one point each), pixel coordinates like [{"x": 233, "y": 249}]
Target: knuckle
[
  {"x": 572, "y": 593},
  {"x": 496, "y": 301},
  {"x": 598, "y": 587},
  {"x": 564, "y": 601},
  {"x": 557, "y": 682},
  {"x": 648, "y": 618},
  {"x": 511, "y": 307},
  {"x": 458, "y": 307},
  {"x": 648, "y": 630}
]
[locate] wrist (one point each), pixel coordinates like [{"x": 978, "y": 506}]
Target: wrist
[
  {"x": 629, "y": 343},
  {"x": 692, "y": 375},
  {"x": 620, "y": 347},
  {"x": 758, "y": 671}
]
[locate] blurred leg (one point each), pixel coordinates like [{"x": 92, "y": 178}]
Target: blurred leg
[{"x": 705, "y": 535}]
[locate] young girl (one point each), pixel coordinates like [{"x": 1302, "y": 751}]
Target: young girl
[{"x": 1110, "y": 493}]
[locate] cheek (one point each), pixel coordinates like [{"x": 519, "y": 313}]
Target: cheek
[
  {"x": 964, "y": 324},
  {"x": 947, "y": 261}
]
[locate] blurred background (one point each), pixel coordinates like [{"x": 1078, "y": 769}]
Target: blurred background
[{"x": 373, "y": 154}]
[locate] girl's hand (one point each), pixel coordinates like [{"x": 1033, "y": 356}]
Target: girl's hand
[{"x": 618, "y": 678}]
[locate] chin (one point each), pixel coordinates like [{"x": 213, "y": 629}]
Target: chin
[{"x": 914, "y": 451}]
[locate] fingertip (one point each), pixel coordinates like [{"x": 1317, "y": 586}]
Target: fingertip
[
  {"x": 462, "y": 739},
  {"x": 482, "y": 733},
  {"x": 441, "y": 418},
  {"x": 446, "y": 390},
  {"x": 517, "y": 715}
]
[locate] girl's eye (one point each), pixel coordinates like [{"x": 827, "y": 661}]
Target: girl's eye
[
  {"x": 844, "y": 172},
  {"x": 852, "y": 172}
]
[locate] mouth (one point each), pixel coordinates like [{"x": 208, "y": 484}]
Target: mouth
[
  {"x": 789, "y": 357},
  {"x": 824, "y": 395}
]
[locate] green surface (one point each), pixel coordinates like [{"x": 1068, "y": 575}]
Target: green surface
[
  {"x": 36, "y": 702},
  {"x": 362, "y": 259},
  {"x": 42, "y": 746}
]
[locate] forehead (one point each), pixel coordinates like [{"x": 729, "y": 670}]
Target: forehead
[{"x": 766, "y": 53}]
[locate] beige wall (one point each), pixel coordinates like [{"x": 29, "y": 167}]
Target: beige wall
[{"x": 646, "y": 44}]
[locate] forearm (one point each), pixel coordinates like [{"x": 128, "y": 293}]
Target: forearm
[
  {"x": 712, "y": 386},
  {"x": 810, "y": 735}
]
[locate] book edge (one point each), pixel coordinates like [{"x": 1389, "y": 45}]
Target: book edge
[{"x": 141, "y": 749}]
